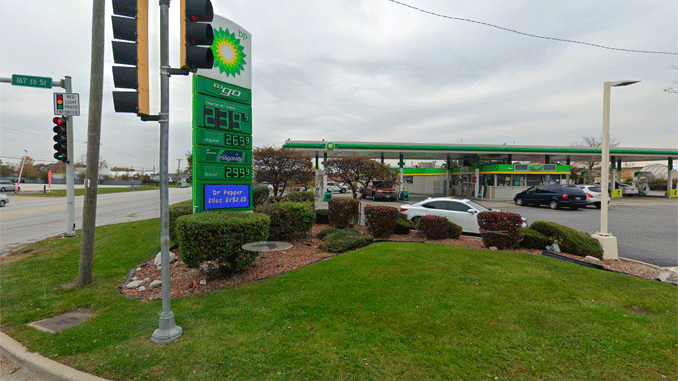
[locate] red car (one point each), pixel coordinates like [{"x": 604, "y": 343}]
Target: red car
[{"x": 381, "y": 189}]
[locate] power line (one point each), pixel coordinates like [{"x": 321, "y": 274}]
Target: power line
[{"x": 529, "y": 34}]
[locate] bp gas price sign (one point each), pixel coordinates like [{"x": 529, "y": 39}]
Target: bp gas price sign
[{"x": 222, "y": 146}]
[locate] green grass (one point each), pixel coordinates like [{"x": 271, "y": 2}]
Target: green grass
[
  {"x": 100, "y": 190},
  {"x": 391, "y": 310}
]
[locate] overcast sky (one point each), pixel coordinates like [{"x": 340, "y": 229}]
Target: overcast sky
[{"x": 369, "y": 70}]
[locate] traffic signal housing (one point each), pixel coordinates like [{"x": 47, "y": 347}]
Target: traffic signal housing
[
  {"x": 130, "y": 24},
  {"x": 61, "y": 139},
  {"x": 197, "y": 35}
]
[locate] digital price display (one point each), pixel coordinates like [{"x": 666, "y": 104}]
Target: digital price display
[
  {"x": 226, "y": 196},
  {"x": 219, "y": 114},
  {"x": 220, "y": 172},
  {"x": 223, "y": 139}
]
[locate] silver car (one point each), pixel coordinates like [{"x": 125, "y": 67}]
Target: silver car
[
  {"x": 8, "y": 185},
  {"x": 3, "y": 199},
  {"x": 462, "y": 212},
  {"x": 593, "y": 195}
]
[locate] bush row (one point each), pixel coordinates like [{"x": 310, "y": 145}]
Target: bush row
[
  {"x": 499, "y": 229},
  {"x": 341, "y": 240}
]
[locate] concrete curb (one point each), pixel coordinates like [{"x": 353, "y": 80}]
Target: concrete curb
[{"x": 49, "y": 369}]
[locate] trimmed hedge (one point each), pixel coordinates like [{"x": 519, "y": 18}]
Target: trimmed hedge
[
  {"x": 433, "y": 227},
  {"x": 380, "y": 220},
  {"x": 175, "y": 212},
  {"x": 570, "y": 240},
  {"x": 219, "y": 236},
  {"x": 298, "y": 196},
  {"x": 454, "y": 230},
  {"x": 344, "y": 240},
  {"x": 403, "y": 227},
  {"x": 532, "y": 239},
  {"x": 289, "y": 220},
  {"x": 322, "y": 217},
  {"x": 328, "y": 232},
  {"x": 260, "y": 194},
  {"x": 499, "y": 229},
  {"x": 343, "y": 212}
]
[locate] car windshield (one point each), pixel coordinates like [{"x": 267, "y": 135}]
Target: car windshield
[{"x": 477, "y": 206}]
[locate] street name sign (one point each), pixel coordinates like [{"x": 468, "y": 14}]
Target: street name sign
[{"x": 30, "y": 81}]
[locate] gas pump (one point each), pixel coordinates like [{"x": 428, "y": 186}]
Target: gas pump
[{"x": 641, "y": 180}]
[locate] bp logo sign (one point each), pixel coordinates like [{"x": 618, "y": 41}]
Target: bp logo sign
[
  {"x": 330, "y": 146},
  {"x": 229, "y": 54}
]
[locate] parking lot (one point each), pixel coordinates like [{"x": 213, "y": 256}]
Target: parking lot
[{"x": 646, "y": 227}]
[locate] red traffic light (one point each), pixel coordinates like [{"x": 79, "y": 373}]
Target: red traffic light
[{"x": 59, "y": 121}]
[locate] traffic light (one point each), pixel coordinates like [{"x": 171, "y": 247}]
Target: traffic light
[
  {"x": 196, "y": 34},
  {"x": 61, "y": 139},
  {"x": 131, "y": 24}
]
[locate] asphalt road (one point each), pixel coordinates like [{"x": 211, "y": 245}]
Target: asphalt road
[{"x": 29, "y": 219}]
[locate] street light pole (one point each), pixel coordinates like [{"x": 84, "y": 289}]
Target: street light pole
[
  {"x": 607, "y": 241},
  {"x": 21, "y": 171}
]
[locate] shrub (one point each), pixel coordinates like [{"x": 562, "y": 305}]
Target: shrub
[
  {"x": 433, "y": 227},
  {"x": 343, "y": 212},
  {"x": 380, "y": 220},
  {"x": 570, "y": 240},
  {"x": 260, "y": 194},
  {"x": 328, "y": 232},
  {"x": 322, "y": 217},
  {"x": 344, "y": 240},
  {"x": 175, "y": 212},
  {"x": 532, "y": 239},
  {"x": 274, "y": 199},
  {"x": 499, "y": 229},
  {"x": 299, "y": 197},
  {"x": 402, "y": 216},
  {"x": 289, "y": 220},
  {"x": 453, "y": 230},
  {"x": 403, "y": 227},
  {"x": 219, "y": 236}
]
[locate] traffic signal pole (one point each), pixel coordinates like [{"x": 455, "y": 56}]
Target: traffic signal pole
[
  {"x": 167, "y": 331},
  {"x": 70, "y": 168}
]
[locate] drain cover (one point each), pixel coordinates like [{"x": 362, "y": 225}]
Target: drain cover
[{"x": 61, "y": 322}]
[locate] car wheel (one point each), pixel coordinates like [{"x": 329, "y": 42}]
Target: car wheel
[
  {"x": 343, "y": 190},
  {"x": 2, "y": 190},
  {"x": 554, "y": 205},
  {"x": 415, "y": 221},
  {"x": 574, "y": 207},
  {"x": 2, "y": 203},
  {"x": 374, "y": 196},
  {"x": 599, "y": 205},
  {"x": 519, "y": 201}
]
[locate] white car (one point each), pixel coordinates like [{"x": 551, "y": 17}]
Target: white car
[
  {"x": 627, "y": 190},
  {"x": 593, "y": 195},
  {"x": 462, "y": 212},
  {"x": 336, "y": 187},
  {"x": 3, "y": 199}
]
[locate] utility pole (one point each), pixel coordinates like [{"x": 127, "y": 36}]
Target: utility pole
[
  {"x": 20, "y": 172},
  {"x": 179, "y": 166},
  {"x": 93, "y": 138}
]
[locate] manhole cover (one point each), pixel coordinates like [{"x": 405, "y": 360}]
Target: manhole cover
[
  {"x": 61, "y": 322},
  {"x": 267, "y": 246}
]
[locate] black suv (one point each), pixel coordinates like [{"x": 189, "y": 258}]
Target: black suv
[{"x": 554, "y": 196}]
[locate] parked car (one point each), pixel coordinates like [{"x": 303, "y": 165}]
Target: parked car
[
  {"x": 462, "y": 212},
  {"x": 593, "y": 195},
  {"x": 627, "y": 190},
  {"x": 555, "y": 196},
  {"x": 336, "y": 187},
  {"x": 3, "y": 199},
  {"x": 270, "y": 187},
  {"x": 8, "y": 185},
  {"x": 380, "y": 189}
]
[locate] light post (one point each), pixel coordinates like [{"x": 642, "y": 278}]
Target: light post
[
  {"x": 607, "y": 241},
  {"x": 18, "y": 182}
]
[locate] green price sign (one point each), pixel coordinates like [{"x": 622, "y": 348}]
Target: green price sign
[
  {"x": 224, "y": 172},
  {"x": 223, "y": 139},
  {"x": 222, "y": 156},
  {"x": 217, "y": 114},
  {"x": 27, "y": 80}
]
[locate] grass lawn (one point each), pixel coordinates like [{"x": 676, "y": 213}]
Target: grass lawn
[
  {"x": 100, "y": 190},
  {"x": 407, "y": 311}
]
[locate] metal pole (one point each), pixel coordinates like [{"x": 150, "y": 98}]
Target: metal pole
[
  {"x": 70, "y": 169},
  {"x": 605, "y": 159},
  {"x": 167, "y": 331},
  {"x": 18, "y": 182}
]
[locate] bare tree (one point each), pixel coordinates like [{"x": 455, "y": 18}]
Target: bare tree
[
  {"x": 280, "y": 166},
  {"x": 590, "y": 142}
]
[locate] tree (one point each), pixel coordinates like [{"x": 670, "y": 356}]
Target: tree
[
  {"x": 280, "y": 167},
  {"x": 358, "y": 171},
  {"x": 189, "y": 166},
  {"x": 589, "y": 142},
  {"x": 5, "y": 169}
]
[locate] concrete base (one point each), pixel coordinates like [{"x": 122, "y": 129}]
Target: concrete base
[{"x": 609, "y": 244}]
